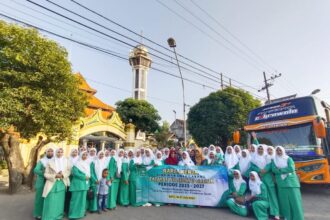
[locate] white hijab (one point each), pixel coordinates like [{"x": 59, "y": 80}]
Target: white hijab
[
  {"x": 255, "y": 186},
  {"x": 260, "y": 160},
  {"x": 100, "y": 165},
  {"x": 73, "y": 160},
  {"x": 211, "y": 147},
  {"x": 82, "y": 149},
  {"x": 147, "y": 159},
  {"x": 281, "y": 161},
  {"x": 165, "y": 155},
  {"x": 126, "y": 159},
  {"x": 186, "y": 162},
  {"x": 269, "y": 157},
  {"x": 119, "y": 160},
  {"x": 239, "y": 152},
  {"x": 209, "y": 160},
  {"x": 252, "y": 154},
  {"x": 239, "y": 181},
  {"x": 230, "y": 159},
  {"x": 206, "y": 155},
  {"x": 45, "y": 160},
  {"x": 219, "y": 148},
  {"x": 83, "y": 165},
  {"x": 245, "y": 162},
  {"x": 137, "y": 159},
  {"x": 60, "y": 162},
  {"x": 132, "y": 157},
  {"x": 158, "y": 161},
  {"x": 92, "y": 158},
  {"x": 107, "y": 158}
]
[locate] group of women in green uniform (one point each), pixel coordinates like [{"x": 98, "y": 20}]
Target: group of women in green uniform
[{"x": 261, "y": 180}]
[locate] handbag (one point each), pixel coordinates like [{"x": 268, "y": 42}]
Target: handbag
[{"x": 90, "y": 194}]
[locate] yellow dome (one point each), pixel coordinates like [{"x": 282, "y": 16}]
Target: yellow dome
[{"x": 139, "y": 50}]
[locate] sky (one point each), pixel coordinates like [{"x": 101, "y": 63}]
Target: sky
[{"x": 238, "y": 38}]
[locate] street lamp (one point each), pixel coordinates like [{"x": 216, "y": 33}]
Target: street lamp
[
  {"x": 171, "y": 42},
  {"x": 316, "y": 91}
]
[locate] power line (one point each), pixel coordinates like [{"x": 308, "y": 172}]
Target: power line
[
  {"x": 148, "y": 39},
  {"x": 214, "y": 30},
  {"x": 121, "y": 41},
  {"x": 75, "y": 27},
  {"x": 233, "y": 35},
  {"x": 208, "y": 35},
  {"x": 202, "y": 31},
  {"x": 127, "y": 91},
  {"x": 151, "y": 41},
  {"x": 113, "y": 53},
  {"x": 101, "y": 50},
  {"x": 61, "y": 27},
  {"x": 115, "y": 37}
]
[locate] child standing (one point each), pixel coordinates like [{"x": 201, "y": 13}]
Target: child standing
[{"x": 102, "y": 191}]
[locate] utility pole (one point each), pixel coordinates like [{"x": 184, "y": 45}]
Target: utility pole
[
  {"x": 221, "y": 80},
  {"x": 268, "y": 83}
]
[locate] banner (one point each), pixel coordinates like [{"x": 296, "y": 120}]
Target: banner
[{"x": 197, "y": 185}]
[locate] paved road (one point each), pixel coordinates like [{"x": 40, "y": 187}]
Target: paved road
[{"x": 19, "y": 207}]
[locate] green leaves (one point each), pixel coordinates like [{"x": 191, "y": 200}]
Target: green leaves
[
  {"x": 217, "y": 116},
  {"x": 38, "y": 92},
  {"x": 143, "y": 115}
]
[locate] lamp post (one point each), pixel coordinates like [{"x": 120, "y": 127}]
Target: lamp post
[{"x": 172, "y": 44}]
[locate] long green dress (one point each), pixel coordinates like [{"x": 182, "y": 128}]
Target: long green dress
[
  {"x": 289, "y": 195},
  {"x": 233, "y": 206},
  {"x": 78, "y": 189},
  {"x": 39, "y": 187},
  {"x": 54, "y": 202},
  {"x": 112, "y": 196},
  {"x": 133, "y": 169},
  {"x": 92, "y": 204},
  {"x": 124, "y": 188},
  {"x": 268, "y": 180},
  {"x": 260, "y": 205}
]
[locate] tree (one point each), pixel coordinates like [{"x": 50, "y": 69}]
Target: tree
[
  {"x": 38, "y": 95},
  {"x": 143, "y": 115},
  {"x": 214, "y": 118},
  {"x": 163, "y": 134}
]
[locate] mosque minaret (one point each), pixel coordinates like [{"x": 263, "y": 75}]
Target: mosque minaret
[{"x": 140, "y": 61}]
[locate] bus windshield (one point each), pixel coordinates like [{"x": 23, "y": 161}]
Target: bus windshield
[{"x": 297, "y": 140}]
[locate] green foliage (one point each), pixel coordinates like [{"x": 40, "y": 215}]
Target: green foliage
[
  {"x": 38, "y": 92},
  {"x": 3, "y": 165},
  {"x": 163, "y": 134},
  {"x": 143, "y": 115},
  {"x": 214, "y": 118}
]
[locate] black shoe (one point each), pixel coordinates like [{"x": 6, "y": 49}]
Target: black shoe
[
  {"x": 104, "y": 210},
  {"x": 99, "y": 211}
]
